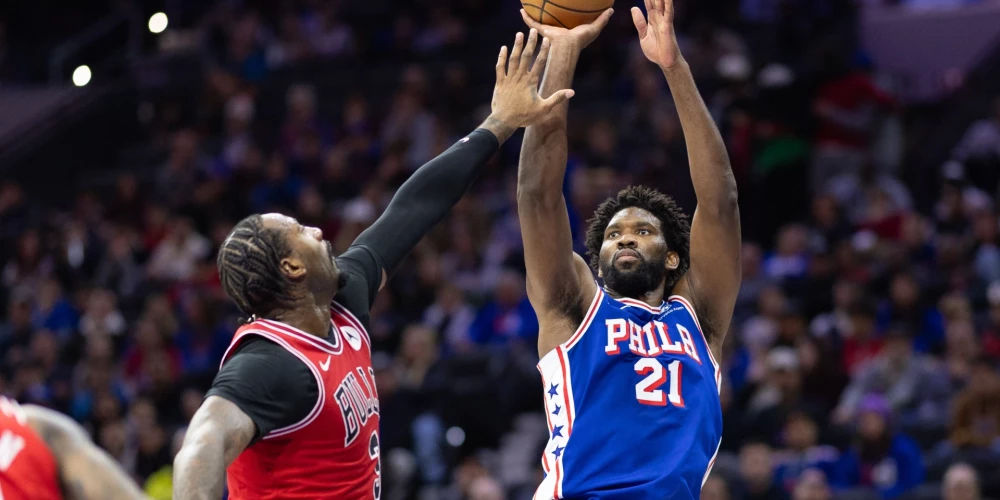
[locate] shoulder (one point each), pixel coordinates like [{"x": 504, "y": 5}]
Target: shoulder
[{"x": 54, "y": 428}]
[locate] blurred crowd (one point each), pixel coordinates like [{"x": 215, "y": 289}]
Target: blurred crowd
[{"x": 862, "y": 361}]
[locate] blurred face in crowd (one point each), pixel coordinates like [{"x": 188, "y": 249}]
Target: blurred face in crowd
[
  {"x": 960, "y": 483},
  {"x": 510, "y": 289},
  {"x": 419, "y": 345},
  {"x": 792, "y": 240},
  {"x": 960, "y": 337},
  {"x": 871, "y": 426},
  {"x": 905, "y": 291},
  {"x": 634, "y": 257},
  {"x": 845, "y": 293},
  {"x": 862, "y": 325},
  {"x": 898, "y": 350},
  {"x": 824, "y": 211},
  {"x": 715, "y": 489},
  {"x": 755, "y": 465},
  {"x": 800, "y": 432},
  {"x": 312, "y": 258},
  {"x": 772, "y": 302},
  {"x": 812, "y": 485}
]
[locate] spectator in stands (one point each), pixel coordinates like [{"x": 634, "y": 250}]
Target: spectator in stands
[
  {"x": 509, "y": 317},
  {"x": 974, "y": 427},
  {"x": 822, "y": 377},
  {"x": 451, "y": 315},
  {"x": 979, "y": 148},
  {"x": 715, "y": 488},
  {"x": 812, "y": 485},
  {"x": 861, "y": 342},
  {"x": 910, "y": 383},
  {"x": 990, "y": 322},
  {"x": 906, "y": 307},
  {"x": 960, "y": 483},
  {"x": 986, "y": 252},
  {"x": 802, "y": 453},
  {"x": 848, "y": 108},
  {"x": 177, "y": 256},
  {"x": 757, "y": 473},
  {"x": 879, "y": 457}
]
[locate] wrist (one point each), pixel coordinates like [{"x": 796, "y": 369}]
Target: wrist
[
  {"x": 498, "y": 125},
  {"x": 679, "y": 65}
]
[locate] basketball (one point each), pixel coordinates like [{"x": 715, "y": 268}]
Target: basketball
[{"x": 565, "y": 13}]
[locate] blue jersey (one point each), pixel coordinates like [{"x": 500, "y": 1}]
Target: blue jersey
[{"x": 632, "y": 402}]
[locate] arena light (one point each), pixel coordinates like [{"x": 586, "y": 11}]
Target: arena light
[
  {"x": 81, "y": 75},
  {"x": 158, "y": 22}
]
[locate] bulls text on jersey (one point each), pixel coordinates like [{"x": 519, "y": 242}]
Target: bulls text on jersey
[{"x": 356, "y": 404}]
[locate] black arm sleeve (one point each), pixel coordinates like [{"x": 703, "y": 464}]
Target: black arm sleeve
[
  {"x": 424, "y": 199},
  {"x": 273, "y": 387}
]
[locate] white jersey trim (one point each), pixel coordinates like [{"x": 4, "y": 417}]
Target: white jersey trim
[
  {"x": 711, "y": 463},
  {"x": 690, "y": 309},
  {"x": 335, "y": 346},
  {"x": 320, "y": 400},
  {"x": 588, "y": 318}
]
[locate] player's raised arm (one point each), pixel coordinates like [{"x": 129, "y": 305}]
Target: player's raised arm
[
  {"x": 559, "y": 281},
  {"x": 86, "y": 471},
  {"x": 424, "y": 199},
  {"x": 218, "y": 433},
  {"x": 714, "y": 278}
]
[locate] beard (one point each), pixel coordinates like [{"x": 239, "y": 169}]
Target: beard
[{"x": 643, "y": 276}]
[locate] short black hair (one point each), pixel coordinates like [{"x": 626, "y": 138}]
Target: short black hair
[
  {"x": 249, "y": 265},
  {"x": 673, "y": 223}
]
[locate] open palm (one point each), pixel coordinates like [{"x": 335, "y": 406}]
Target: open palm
[{"x": 656, "y": 32}]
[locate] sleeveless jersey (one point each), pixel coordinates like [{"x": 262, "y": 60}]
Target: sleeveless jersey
[
  {"x": 27, "y": 468},
  {"x": 334, "y": 451},
  {"x": 632, "y": 402}
]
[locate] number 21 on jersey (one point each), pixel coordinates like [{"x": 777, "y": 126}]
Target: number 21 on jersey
[
  {"x": 649, "y": 341},
  {"x": 648, "y": 392}
]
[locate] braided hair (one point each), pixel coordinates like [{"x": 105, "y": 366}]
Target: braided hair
[
  {"x": 249, "y": 267},
  {"x": 673, "y": 223}
]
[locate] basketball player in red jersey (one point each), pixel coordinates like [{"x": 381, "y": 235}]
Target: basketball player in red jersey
[
  {"x": 45, "y": 456},
  {"x": 293, "y": 412}
]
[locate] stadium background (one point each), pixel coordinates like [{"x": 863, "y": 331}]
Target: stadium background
[{"x": 866, "y": 337}]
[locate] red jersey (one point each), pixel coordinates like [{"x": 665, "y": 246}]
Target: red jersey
[
  {"x": 334, "y": 451},
  {"x": 27, "y": 468}
]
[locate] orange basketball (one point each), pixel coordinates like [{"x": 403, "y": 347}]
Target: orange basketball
[{"x": 565, "y": 13}]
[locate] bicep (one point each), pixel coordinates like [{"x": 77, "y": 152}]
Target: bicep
[
  {"x": 219, "y": 419},
  {"x": 557, "y": 276},
  {"x": 713, "y": 281}
]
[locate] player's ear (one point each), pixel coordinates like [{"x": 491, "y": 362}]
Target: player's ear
[
  {"x": 293, "y": 268},
  {"x": 673, "y": 260}
]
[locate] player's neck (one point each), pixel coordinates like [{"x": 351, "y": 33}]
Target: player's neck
[
  {"x": 312, "y": 319},
  {"x": 652, "y": 298}
]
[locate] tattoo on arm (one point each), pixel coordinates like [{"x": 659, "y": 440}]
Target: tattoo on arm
[
  {"x": 218, "y": 433},
  {"x": 86, "y": 471},
  {"x": 498, "y": 128}
]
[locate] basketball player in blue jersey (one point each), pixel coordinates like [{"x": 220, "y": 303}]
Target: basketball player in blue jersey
[{"x": 629, "y": 369}]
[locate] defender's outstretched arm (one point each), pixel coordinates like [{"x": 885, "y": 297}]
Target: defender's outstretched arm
[
  {"x": 714, "y": 278},
  {"x": 424, "y": 199}
]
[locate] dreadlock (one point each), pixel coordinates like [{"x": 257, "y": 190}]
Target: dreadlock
[
  {"x": 249, "y": 267},
  {"x": 673, "y": 223}
]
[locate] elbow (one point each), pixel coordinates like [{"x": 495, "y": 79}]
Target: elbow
[{"x": 724, "y": 205}]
